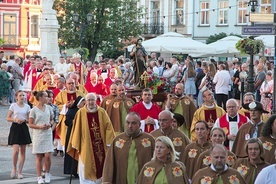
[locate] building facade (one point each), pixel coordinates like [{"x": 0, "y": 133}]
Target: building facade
[
  {"x": 198, "y": 18},
  {"x": 19, "y": 26}
]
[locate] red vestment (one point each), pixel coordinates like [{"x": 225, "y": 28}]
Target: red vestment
[
  {"x": 97, "y": 142},
  {"x": 144, "y": 113}
]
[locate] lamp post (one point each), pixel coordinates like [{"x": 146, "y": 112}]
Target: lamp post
[
  {"x": 250, "y": 86},
  {"x": 243, "y": 76},
  {"x": 82, "y": 25}
]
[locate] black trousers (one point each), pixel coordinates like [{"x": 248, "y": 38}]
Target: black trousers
[{"x": 221, "y": 100}]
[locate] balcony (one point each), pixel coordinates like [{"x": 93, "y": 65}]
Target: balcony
[
  {"x": 153, "y": 29},
  {"x": 11, "y": 40}
]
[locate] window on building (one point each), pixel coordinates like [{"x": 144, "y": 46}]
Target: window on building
[
  {"x": 205, "y": 13},
  {"x": 265, "y": 6},
  {"x": 155, "y": 12},
  {"x": 179, "y": 13},
  {"x": 223, "y": 12},
  {"x": 34, "y": 26},
  {"x": 10, "y": 29},
  {"x": 242, "y": 11}
]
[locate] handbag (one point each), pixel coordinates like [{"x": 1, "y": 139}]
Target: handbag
[{"x": 268, "y": 95}]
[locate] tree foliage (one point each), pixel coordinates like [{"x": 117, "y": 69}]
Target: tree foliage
[
  {"x": 2, "y": 41},
  {"x": 113, "y": 21},
  {"x": 216, "y": 37}
]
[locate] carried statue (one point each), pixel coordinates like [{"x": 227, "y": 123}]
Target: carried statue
[{"x": 140, "y": 58}]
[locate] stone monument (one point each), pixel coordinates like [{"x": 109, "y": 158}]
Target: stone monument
[{"x": 49, "y": 32}]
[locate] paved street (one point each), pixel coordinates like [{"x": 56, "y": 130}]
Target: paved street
[{"x": 29, "y": 172}]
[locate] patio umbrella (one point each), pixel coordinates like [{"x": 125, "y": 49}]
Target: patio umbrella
[
  {"x": 225, "y": 47},
  {"x": 173, "y": 42}
]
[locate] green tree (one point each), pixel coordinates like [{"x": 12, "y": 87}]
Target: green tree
[
  {"x": 2, "y": 41},
  {"x": 216, "y": 37},
  {"x": 112, "y": 22}
]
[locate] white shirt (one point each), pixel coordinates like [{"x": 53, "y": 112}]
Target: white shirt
[
  {"x": 175, "y": 71},
  {"x": 222, "y": 80},
  {"x": 61, "y": 68},
  {"x": 267, "y": 175}
]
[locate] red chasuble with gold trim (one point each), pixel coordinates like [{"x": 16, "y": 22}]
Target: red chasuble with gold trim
[
  {"x": 210, "y": 115},
  {"x": 97, "y": 142},
  {"x": 71, "y": 96}
]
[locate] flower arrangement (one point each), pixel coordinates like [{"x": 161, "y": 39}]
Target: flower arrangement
[
  {"x": 249, "y": 46},
  {"x": 155, "y": 83}
]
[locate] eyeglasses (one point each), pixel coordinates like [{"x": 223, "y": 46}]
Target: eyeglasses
[
  {"x": 70, "y": 83},
  {"x": 163, "y": 120},
  {"x": 231, "y": 107}
]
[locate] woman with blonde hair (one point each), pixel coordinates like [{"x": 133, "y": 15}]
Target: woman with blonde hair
[
  {"x": 217, "y": 136},
  {"x": 189, "y": 81},
  {"x": 163, "y": 168},
  {"x": 210, "y": 76}
]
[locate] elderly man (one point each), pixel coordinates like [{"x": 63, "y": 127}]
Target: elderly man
[
  {"x": 118, "y": 109},
  {"x": 64, "y": 100},
  {"x": 92, "y": 133},
  {"x": 250, "y": 167},
  {"x": 95, "y": 87},
  {"x": 148, "y": 111},
  {"x": 231, "y": 122},
  {"x": 181, "y": 104},
  {"x": 252, "y": 129},
  {"x": 209, "y": 112},
  {"x": 180, "y": 140},
  {"x": 218, "y": 172},
  {"x": 128, "y": 153},
  {"x": 79, "y": 68},
  {"x": 112, "y": 94}
]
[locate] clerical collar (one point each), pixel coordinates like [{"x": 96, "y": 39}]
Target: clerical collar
[
  {"x": 235, "y": 118},
  {"x": 93, "y": 84},
  {"x": 148, "y": 106},
  {"x": 92, "y": 110},
  {"x": 77, "y": 64},
  {"x": 213, "y": 168},
  {"x": 209, "y": 106},
  {"x": 70, "y": 92}
]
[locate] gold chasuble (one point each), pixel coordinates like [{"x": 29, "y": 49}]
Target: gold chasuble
[
  {"x": 91, "y": 133},
  {"x": 62, "y": 98},
  {"x": 97, "y": 142},
  {"x": 207, "y": 114}
]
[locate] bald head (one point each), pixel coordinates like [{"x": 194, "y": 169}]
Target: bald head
[
  {"x": 179, "y": 89},
  {"x": 120, "y": 90},
  {"x": 113, "y": 89}
]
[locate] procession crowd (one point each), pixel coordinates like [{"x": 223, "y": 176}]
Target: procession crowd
[{"x": 204, "y": 132}]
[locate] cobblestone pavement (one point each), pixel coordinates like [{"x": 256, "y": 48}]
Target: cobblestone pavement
[{"x": 29, "y": 172}]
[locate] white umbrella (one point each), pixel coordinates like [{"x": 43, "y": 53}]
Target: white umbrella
[
  {"x": 173, "y": 42},
  {"x": 225, "y": 47},
  {"x": 267, "y": 39}
]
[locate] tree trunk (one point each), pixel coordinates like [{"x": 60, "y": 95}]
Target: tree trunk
[{"x": 93, "y": 50}]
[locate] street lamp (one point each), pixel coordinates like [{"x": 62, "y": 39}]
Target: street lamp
[
  {"x": 89, "y": 17},
  {"x": 250, "y": 86},
  {"x": 243, "y": 76}
]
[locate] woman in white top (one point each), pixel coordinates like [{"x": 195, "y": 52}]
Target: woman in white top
[
  {"x": 266, "y": 91},
  {"x": 19, "y": 135},
  {"x": 41, "y": 120}
]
